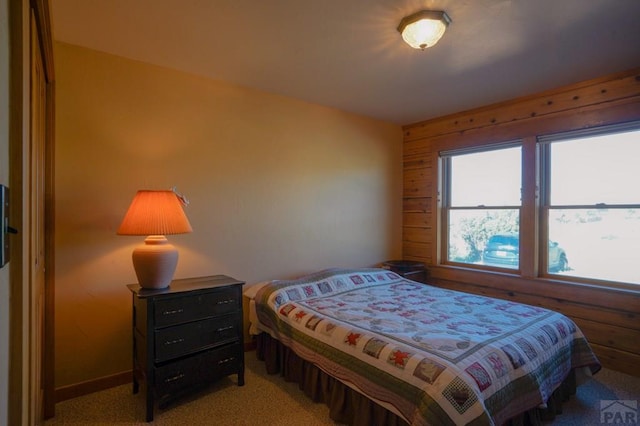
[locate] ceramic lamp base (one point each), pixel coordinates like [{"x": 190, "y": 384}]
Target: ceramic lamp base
[{"x": 155, "y": 262}]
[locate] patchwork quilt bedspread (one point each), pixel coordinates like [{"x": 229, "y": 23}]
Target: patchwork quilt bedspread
[{"x": 435, "y": 356}]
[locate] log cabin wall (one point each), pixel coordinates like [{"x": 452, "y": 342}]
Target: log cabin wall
[{"x": 608, "y": 315}]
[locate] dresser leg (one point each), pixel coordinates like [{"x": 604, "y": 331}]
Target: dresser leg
[
  {"x": 136, "y": 383},
  {"x": 241, "y": 378},
  {"x": 149, "y": 417}
]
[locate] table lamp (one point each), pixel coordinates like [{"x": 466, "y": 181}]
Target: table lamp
[{"x": 155, "y": 214}]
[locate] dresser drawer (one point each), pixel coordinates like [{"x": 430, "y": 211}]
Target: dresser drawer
[
  {"x": 179, "y": 340},
  {"x": 197, "y": 369},
  {"x": 186, "y": 335},
  {"x": 176, "y": 310}
]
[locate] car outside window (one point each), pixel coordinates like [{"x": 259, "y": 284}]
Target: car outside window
[{"x": 503, "y": 250}]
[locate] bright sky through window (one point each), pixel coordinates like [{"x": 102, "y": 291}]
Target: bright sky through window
[
  {"x": 599, "y": 169},
  {"x": 490, "y": 178}
]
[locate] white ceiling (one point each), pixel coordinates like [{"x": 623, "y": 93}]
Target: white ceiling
[{"x": 348, "y": 54}]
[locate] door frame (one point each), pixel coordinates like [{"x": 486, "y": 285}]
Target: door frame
[{"x": 20, "y": 408}]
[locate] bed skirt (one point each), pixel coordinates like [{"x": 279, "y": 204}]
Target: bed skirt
[{"x": 350, "y": 407}]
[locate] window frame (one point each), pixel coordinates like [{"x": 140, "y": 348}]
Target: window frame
[
  {"x": 543, "y": 143},
  {"x": 534, "y": 209},
  {"x": 445, "y": 207}
]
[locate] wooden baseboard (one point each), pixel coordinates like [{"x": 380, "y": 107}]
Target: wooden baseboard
[{"x": 73, "y": 391}]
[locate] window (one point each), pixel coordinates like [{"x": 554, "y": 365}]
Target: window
[
  {"x": 481, "y": 205},
  {"x": 591, "y": 202},
  {"x": 585, "y": 224}
]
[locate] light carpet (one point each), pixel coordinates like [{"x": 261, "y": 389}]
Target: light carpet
[{"x": 269, "y": 400}]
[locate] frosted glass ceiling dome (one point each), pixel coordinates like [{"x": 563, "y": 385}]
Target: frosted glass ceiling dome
[{"x": 423, "y": 29}]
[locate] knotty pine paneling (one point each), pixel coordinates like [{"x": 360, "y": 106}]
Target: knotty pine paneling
[
  {"x": 416, "y": 235},
  {"x": 609, "y": 317},
  {"x": 416, "y": 155},
  {"x": 417, "y": 219},
  {"x": 570, "y": 98},
  {"x": 416, "y": 205},
  {"x": 416, "y": 251},
  {"x": 609, "y": 335},
  {"x": 626, "y": 362},
  {"x": 416, "y": 182}
]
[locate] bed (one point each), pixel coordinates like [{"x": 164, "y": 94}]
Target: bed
[{"x": 381, "y": 349}]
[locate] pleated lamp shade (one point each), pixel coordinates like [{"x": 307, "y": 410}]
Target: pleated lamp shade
[{"x": 156, "y": 214}]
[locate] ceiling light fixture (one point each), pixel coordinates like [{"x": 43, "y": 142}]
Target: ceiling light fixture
[{"x": 423, "y": 29}]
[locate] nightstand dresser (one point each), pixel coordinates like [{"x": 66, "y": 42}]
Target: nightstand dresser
[
  {"x": 186, "y": 335},
  {"x": 409, "y": 269}
]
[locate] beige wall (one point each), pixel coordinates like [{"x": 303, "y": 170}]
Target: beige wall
[{"x": 278, "y": 188}]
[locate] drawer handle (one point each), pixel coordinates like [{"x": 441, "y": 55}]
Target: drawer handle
[
  {"x": 173, "y": 342},
  {"x": 226, "y": 360},
  {"x": 224, "y": 328},
  {"x": 174, "y": 378},
  {"x": 225, "y": 302},
  {"x": 175, "y": 311}
]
